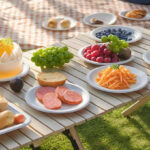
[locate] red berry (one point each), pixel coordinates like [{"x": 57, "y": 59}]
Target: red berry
[
  {"x": 107, "y": 59},
  {"x": 107, "y": 52},
  {"x": 88, "y": 56},
  {"x": 87, "y": 48},
  {"x": 93, "y": 58},
  {"x": 89, "y": 51},
  {"x": 99, "y": 59},
  {"x": 85, "y": 54},
  {"x": 95, "y": 47},
  {"x": 102, "y": 47},
  {"x": 95, "y": 53}
]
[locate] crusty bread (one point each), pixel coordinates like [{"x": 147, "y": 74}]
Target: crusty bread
[
  {"x": 65, "y": 23},
  {"x": 6, "y": 119},
  {"x": 52, "y": 23},
  {"x": 3, "y": 103},
  {"x": 53, "y": 79}
]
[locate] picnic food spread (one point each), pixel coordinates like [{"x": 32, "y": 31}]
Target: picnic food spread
[
  {"x": 116, "y": 77},
  {"x": 7, "y": 117},
  {"x": 10, "y": 58},
  {"x": 136, "y": 13},
  {"x": 52, "y": 98}
]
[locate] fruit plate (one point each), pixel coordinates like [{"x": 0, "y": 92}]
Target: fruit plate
[
  {"x": 135, "y": 36},
  {"x": 142, "y": 80},
  {"x": 80, "y": 54},
  {"x": 146, "y": 57},
  {"x": 16, "y": 110},
  {"x": 32, "y": 101},
  {"x": 122, "y": 14},
  {"x": 107, "y": 18},
  {"x": 25, "y": 70},
  {"x": 59, "y": 28}
]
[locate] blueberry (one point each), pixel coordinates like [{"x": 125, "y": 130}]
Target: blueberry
[
  {"x": 120, "y": 30},
  {"x": 114, "y": 30},
  {"x": 129, "y": 39},
  {"x": 109, "y": 30}
]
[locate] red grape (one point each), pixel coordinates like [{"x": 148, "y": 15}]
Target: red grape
[
  {"x": 115, "y": 59},
  {"x": 107, "y": 59},
  {"x": 95, "y": 53},
  {"x": 85, "y": 54},
  {"x": 95, "y": 47},
  {"x": 89, "y": 51},
  {"x": 102, "y": 47},
  {"x": 93, "y": 58},
  {"x": 88, "y": 48},
  {"x": 88, "y": 56},
  {"x": 107, "y": 52},
  {"x": 99, "y": 59}
]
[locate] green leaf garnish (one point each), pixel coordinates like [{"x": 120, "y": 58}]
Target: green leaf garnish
[{"x": 114, "y": 66}]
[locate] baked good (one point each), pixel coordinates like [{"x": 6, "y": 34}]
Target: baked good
[
  {"x": 136, "y": 13},
  {"x": 6, "y": 119},
  {"x": 3, "y": 103},
  {"x": 52, "y": 23},
  {"x": 96, "y": 21},
  {"x": 65, "y": 23},
  {"x": 53, "y": 79},
  {"x": 10, "y": 58}
]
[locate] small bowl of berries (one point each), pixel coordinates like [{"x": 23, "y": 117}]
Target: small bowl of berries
[{"x": 111, "y": 51}]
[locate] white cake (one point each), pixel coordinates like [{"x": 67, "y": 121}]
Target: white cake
[{"x": 11, "y": 64}]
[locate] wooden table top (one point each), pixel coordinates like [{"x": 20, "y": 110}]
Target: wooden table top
[{"x": 44, "y": 124}]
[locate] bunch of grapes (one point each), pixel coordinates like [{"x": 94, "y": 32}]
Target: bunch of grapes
[
  {"x": 115, "y": 45},
  {"x": 53, "y": 57}
]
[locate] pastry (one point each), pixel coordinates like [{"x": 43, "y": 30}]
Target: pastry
[
  {"x": 51, "y": 79},
  {"x": 6, "y": 119},
  {"x": 10, "y": 58},
  {"x": 137, "y": 13},
  {"x": 52, "y": 23},
  {"x": 96, "y": 21},
  {"x": 3, "y": 103},
  {"x": 65, "y": 23}
]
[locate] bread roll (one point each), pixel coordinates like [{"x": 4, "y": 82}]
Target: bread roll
[
  {"x": 53, "y": 79},
  {"x": 52, "y": 23},
  {"x": 65, "y": 23},
  {"x": 3, "y": 103},
  {"x": 6, "y": 119}
]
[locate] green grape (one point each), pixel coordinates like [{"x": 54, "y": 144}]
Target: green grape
[{"x": 104, "y": 39}]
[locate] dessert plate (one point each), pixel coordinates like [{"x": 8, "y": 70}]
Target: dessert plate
[
  {"x": 15, "y": 110},
  {"x": 32, "y": 101},
  {"x": 146, "y": 57},
  {"x": 141, "y": 82},
  {"x": 25, "y": 70},
  {"x": 122, "y": 14},
  {"x": 59, "y": 28},
  {"x": 80, "y": 54},
  {"x": 107, "y": 18},
  {"x": 136, "y": 34}
]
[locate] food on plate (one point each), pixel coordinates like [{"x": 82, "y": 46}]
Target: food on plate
[
  {"x": 51, "y": 101},
  {"x": 136, "y": 13},
  {"x": 16, "y": 84},
  {"x": 52, "y": 79},
  {"x": 53, "y": 57},
  {"x": 116, "y": 77},
  {"x": 96, "y": 21},
  {"x": 52, "y": 23},
  {"x": 109, "y": 51},
  {"x": 72, "y": 97},
  {"x": 10, "y": 58},
  {"x": 122, "y": 34},
  {"x": 19, "y": 118},
  {"x": 65, "y": 23},
  {"x": 3, "y": 103},
  {"x": 41, "y": 91},
  {"x": 6, "y": 119}
]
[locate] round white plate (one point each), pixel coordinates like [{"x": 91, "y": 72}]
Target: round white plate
[
  {"x": 107, "y": 18},
  {"x": 34, "y": 103},
  {"x": 80, "y": 54},
  {"x": 122, "y": 14},
  {"x": 136, "y": 34},
  {"x": 59, "y": 28},
  {"x": 25, "y": 70},
  {"x": 146, "y": 57},
  {"x": 141, "y": 82}
]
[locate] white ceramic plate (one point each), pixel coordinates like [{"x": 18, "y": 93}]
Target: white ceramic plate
[
  {"x": 107, "y": 18},
  {"x": 25, "y": 70},
  {"x": 142, "y": 80},
  {"x": 59, "y": 28},
  {"x": 17, "y": 126},
  {"x": 80, "y": 54},
  {"x": 146, "y": 57},
  {"x": 136, "y": 34},
  {"x": 122, "y": 14},
  {"x": 34, "y": 103}
]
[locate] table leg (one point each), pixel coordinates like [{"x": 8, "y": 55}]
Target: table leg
[{"x": 136, "y": 105}]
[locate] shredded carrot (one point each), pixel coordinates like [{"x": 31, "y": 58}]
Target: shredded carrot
[{"x": 120, "y": 78}]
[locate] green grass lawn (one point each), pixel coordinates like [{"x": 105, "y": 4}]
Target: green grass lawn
[{"x": 110, "y": 132}]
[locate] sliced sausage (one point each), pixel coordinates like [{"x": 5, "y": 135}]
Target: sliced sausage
[
  {"x": 42, "y": 91},
  {"x": 51, "y": 101},
  {"x": 60, "y": 90},
  {"x": 72, "y": 97}
]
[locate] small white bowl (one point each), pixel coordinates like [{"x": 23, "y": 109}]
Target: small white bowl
[
  {"x": 107, "y": 18},
  {"x": 146, "y": 57},
  {"x": 122, "y": 14}
]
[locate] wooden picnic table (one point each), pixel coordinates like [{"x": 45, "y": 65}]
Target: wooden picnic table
[{"x": 44, "y": 124}]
